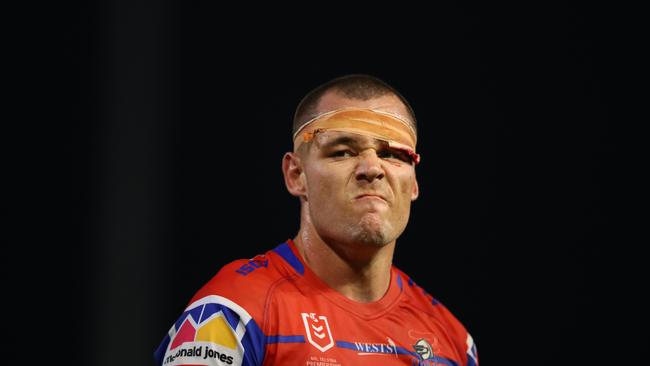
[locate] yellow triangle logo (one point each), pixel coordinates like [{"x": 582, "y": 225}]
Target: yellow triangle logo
[{"x": 217, "y": 331}]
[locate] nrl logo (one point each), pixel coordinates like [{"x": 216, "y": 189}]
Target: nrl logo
[{"x": 318, "y": 331}]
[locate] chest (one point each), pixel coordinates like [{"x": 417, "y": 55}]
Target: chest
[{"x": 320, "y": 333}]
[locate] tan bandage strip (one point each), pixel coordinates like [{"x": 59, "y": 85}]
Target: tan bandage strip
[{"x": 381, "y": 125}]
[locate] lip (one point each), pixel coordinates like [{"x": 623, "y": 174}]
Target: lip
[{"x": 369, "y": 196}]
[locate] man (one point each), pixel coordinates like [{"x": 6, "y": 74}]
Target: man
[{"x": 330, "y": 296}]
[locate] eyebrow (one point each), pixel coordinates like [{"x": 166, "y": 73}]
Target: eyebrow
[{"x": 341, "y": 140}]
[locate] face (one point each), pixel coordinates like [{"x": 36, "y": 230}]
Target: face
[{"x": 357, "y": 188}]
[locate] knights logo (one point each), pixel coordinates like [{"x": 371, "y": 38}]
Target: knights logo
[
  {"x": 423, "y": 349},
  {"x": 427, "y": 348},
  {"x": 318, "y": 331}
]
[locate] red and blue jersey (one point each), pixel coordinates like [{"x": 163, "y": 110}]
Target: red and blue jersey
[{"x": 273, "y": 310}]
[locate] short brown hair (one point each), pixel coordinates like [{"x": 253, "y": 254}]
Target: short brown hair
[{"x": 354, "y": 86}]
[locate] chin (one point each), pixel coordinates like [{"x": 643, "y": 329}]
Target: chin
[
  {"x": 371, "y": 232},
  {"x": 374, "y": 239}
]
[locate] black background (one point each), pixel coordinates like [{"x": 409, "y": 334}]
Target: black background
[{"x": 158, "y": 150}]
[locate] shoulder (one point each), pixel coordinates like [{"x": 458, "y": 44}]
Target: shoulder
[
  {"x": 425, "y": 302},
  {"x": 419, "y": 297},
  {"x": 245, "y": 282},
  {"x": 227, "y": 312}
]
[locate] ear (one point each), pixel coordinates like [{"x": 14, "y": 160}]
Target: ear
[
  {"x": 294, "y": 178},
  {"x": 416, "y": 190}
]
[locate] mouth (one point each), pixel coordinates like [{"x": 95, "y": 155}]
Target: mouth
[{"x": 370, "y": 196}]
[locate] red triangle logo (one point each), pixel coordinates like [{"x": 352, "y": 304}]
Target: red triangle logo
[{"x": 186, "y": 333}]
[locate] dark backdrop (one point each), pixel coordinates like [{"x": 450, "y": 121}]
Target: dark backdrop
[{"x": 177, "y": 116}]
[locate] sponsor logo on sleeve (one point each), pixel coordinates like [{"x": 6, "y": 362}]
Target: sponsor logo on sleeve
[{"x": 203, "y": 336}]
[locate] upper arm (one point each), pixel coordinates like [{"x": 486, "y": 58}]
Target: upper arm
[{"x": 213, "y": 330}]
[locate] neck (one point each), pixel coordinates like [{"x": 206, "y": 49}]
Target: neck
[{"x": 356, "y": 270}]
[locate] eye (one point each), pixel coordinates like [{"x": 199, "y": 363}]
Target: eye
[
  {"x": 391, "y": 154},
  {"x": 344, "y": 153}
]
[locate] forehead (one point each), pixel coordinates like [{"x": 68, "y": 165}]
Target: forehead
[
  {"x": 332, "y": 100},
  {"x": 327, "y": 139}
]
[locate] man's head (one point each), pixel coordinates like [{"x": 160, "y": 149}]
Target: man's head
[
  {"x": 354, "y": 87},
  {"x": 355, "y": 177}
]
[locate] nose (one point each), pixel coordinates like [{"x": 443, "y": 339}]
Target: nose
[{"x": 369, "y": 166}]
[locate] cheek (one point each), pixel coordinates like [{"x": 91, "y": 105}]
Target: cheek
[
  {"x": 321, "y": 187},
  {"x": 406, "y": 186}
]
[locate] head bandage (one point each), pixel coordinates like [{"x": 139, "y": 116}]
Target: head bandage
[{"x": 388, "y": 127}]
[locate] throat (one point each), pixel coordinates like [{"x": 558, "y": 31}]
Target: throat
[
  {"x": 360, "y": 274},
  {"x": 364, "y": 291}
]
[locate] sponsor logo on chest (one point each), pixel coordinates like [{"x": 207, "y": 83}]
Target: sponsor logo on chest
[{"x": 376, "y": 349}]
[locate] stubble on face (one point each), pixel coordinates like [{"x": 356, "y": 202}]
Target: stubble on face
[{"x": 372, "y": 231}]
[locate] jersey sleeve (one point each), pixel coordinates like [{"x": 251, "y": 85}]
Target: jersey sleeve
[
  {"x": 213, "y": 330},
  {"x": 464, "y": 345},
  {"x": 464, "y": 341},
  {"x": 472, "y": 354},
  {"x": 223, "y": 323}
]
